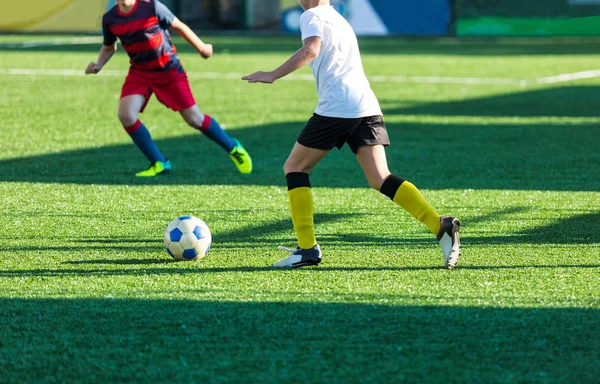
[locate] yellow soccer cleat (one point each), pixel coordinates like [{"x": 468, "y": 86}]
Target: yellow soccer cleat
[
  {"x": 241, "y": 158},
  {"x": 155, "y": 169}
]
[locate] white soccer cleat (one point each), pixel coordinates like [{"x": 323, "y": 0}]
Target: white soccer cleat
[
  {"x": 449, "y": 239},
  {"x": 300, "y": 257}
]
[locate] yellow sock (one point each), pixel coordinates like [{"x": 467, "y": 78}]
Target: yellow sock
[
  {"x": 409, "y": 198},
  {"x": 301, "y": 207}
]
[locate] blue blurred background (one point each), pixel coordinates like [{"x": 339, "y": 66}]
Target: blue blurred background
[{"x": 368, "y": 17}]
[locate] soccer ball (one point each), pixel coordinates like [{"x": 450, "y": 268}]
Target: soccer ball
[{"x": 187, "y": 238}]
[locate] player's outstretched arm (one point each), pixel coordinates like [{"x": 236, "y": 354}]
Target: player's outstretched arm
[
  {"x": 106, "y": 52},
  {"x": 311, "y": 47},
  {"x": 205, "y": 50}
]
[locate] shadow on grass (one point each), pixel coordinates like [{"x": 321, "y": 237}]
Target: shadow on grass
[
  {"x": 323, "y": 268},
  {"x": 566, "y": 101},
  {"x": 122, "y": 261},
  {"x": 560, "y": 157},
  {"x": 579, "y": 229},
  {"x": 128, "y": 340},
  {"x": 264, "y": 234},
  {"x": 501, "y": 214}
]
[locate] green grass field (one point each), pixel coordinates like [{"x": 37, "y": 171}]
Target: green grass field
[{"x": 483, "y": 128}]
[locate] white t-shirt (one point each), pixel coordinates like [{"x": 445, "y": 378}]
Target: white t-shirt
[{"x": 343, "y": 88}]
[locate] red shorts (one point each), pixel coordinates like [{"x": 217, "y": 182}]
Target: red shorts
[{"x": 171, "y": 87}]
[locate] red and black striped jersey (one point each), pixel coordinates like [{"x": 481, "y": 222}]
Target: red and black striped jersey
[{"x": 144, "y": 34}]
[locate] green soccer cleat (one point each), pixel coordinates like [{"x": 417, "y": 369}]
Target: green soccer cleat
[
  {"x": 241, "y": 158},
  {"x": 155, "y": 169}
]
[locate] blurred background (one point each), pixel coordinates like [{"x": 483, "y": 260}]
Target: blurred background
[{"x": 368, "y": 17}]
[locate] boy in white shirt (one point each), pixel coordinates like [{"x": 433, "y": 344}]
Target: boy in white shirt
[{"x": 347, "y": 112}]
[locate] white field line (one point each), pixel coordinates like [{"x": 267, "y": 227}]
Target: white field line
[
  {"x": 55, "y": 42},
  {"x": 561, "y": 78},
  {"x": 566, "y": 77},
  {"x": 302, "y": 77},
  {"x": 447, "y": 80},
  {"x": 53, "y": 72}
]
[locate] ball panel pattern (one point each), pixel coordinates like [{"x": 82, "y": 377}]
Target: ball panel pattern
[
  {"x": 169, "y": 252},
  {"x": 187, "y": 226},
  {"x": 175, "y": 235},
  {"x": 198, "y": 232},
  {"x": 176, "y": 249},
  {"x": 172, "y": 225},
  {"x": 187, "y": 238},
  {"x": 190, "y": 254}
]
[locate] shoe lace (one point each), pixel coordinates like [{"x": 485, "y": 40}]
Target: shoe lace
[{"x": 238, "y": 157}]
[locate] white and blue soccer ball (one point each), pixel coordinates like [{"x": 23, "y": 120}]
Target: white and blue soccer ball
[{"x": 187, "y": 238}]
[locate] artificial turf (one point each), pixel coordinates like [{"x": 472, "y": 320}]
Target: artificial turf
[{"x": 88, "y": 294}]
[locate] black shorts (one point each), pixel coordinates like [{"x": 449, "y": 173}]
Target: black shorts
[{"x": 323, "y": 132}]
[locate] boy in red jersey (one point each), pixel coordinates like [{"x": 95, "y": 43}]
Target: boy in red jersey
[{"x": 142, "y": 27}]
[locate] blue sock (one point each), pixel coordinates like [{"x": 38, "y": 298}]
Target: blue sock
[
  {"x": 141, "y": 137},
  {"x": 213, "y": 131}
]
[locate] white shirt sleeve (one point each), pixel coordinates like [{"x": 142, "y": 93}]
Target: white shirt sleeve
[{"x": 310, "y": 25}]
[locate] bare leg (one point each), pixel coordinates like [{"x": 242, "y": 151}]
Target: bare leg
[
  {"x": 374, "y": 164},
  {"x": 129, "y": 109},
  {"x": 193, "y": 116},
  {"x": 303, "y": 159}
]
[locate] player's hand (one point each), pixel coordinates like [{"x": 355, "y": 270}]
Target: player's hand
[
  {"x": 207, "y": 51},
  {"x": 260, "y": 77},
  {"x": 92, "y": 68}
]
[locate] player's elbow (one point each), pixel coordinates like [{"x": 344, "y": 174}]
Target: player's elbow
[
  {"x": 313, "y": 52},
  {"x": 110, "y": 48},
  {"x": 177, "y": 29}
]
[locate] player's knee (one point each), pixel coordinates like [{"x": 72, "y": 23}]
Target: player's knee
[
  {"x": 375, "y": 183},
  {"x": 375, "y": 179},
  {"x": 127, "y": 118},
  {"x": 191, "y": 121},
  {"x": 290, "y": 167},
  {"x": 195, "y": 120}
]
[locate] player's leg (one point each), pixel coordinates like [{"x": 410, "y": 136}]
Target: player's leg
[
  {"x": 373, "y": 161},
  {"x": 320, "y": 135},
  {"x": 129, "y": 109},
  {"x": 297, "y": 168},
  {"x": 173, "y": 90},
  {"x": 211, "y": 129},
  {"x": 368, "y": 144}
]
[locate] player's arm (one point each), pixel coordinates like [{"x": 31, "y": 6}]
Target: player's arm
[
  {"x": 106, "y": 52},
  {"x": 311, "y": 47},
  {"x": 109, "y": 47},
  {"x": 205, "y": 50}
]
